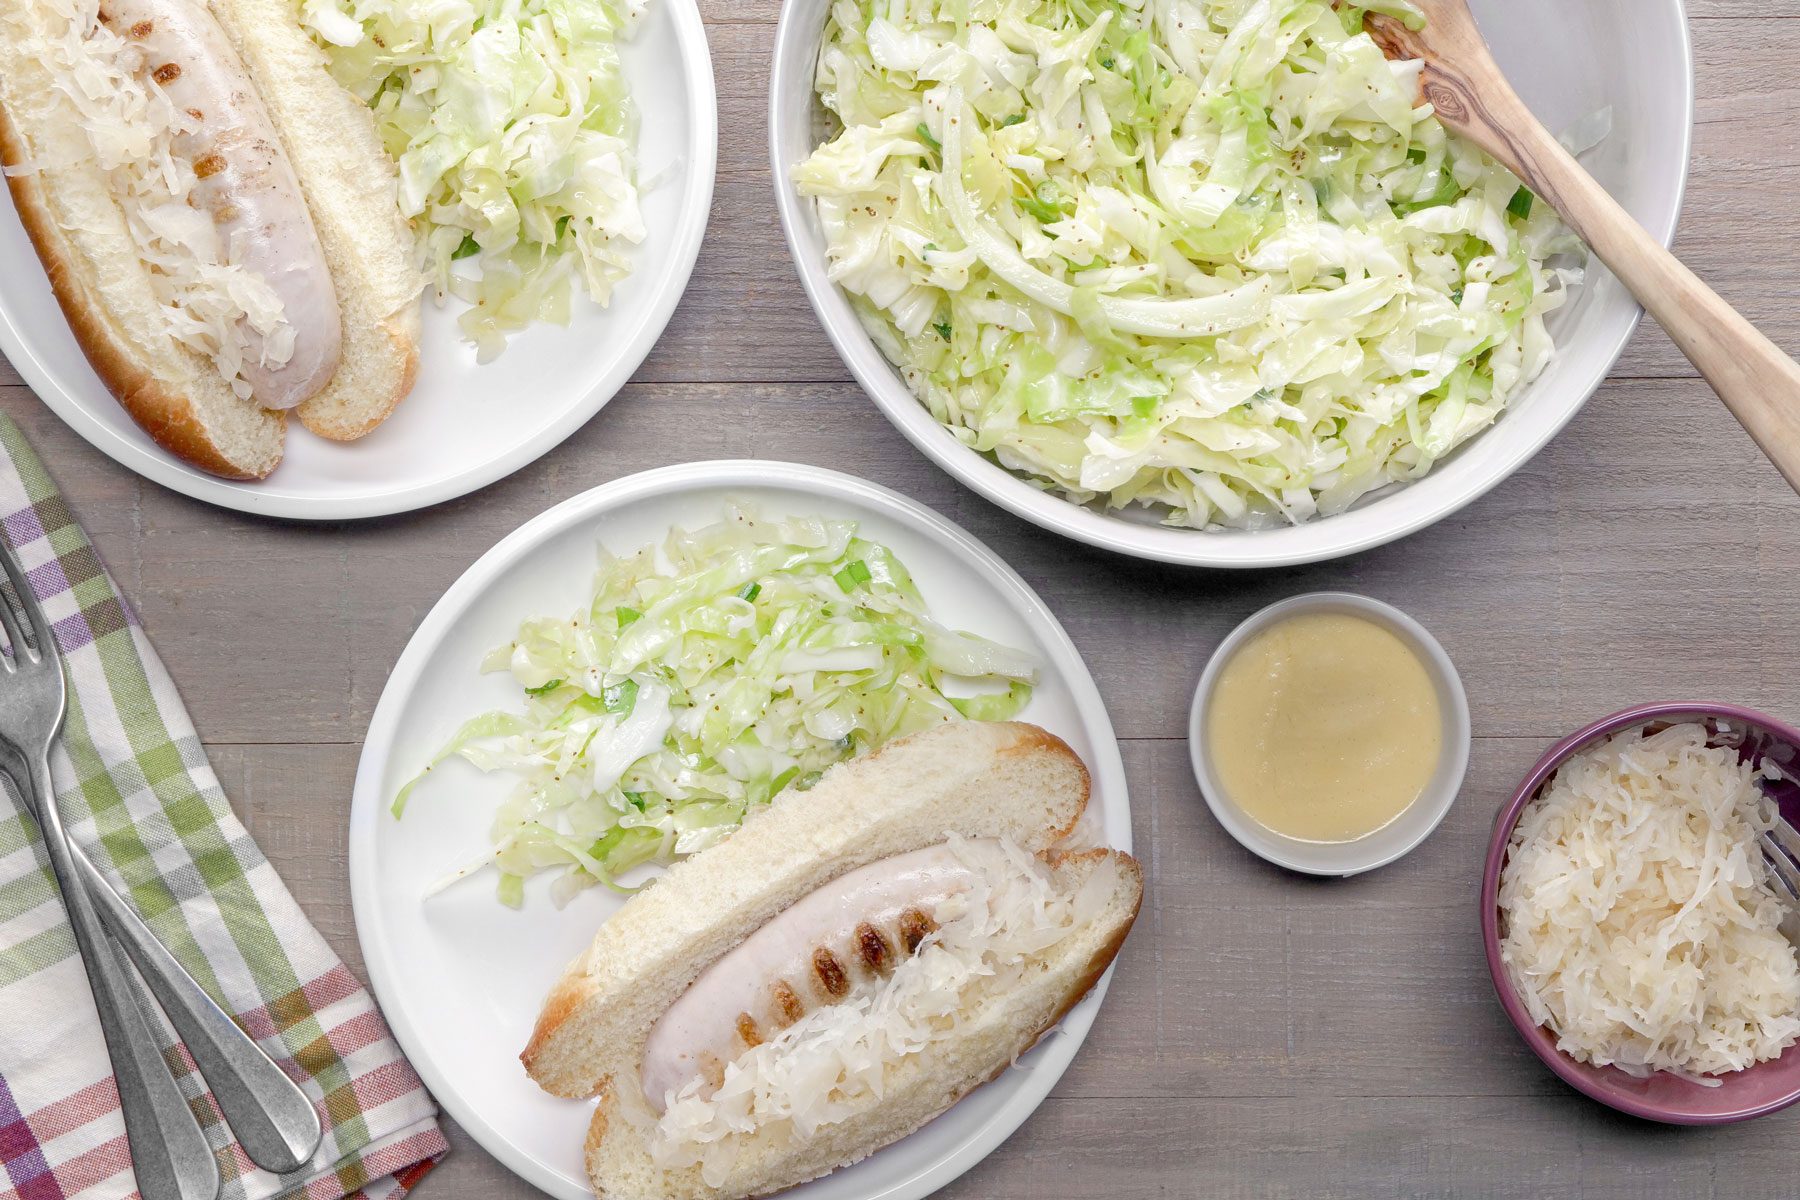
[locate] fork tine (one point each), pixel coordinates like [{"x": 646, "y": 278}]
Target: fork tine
[
  {"x": 1780, "y": 884},
  {"x": 1787, "y": 837},
  {"x": 1783, "y": 865},
  {"x": 15, "y": 632},
  {"x": 45, "y": 644}
]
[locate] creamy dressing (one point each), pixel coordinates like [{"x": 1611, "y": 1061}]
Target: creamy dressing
[{"x": 1324, "y": 727}]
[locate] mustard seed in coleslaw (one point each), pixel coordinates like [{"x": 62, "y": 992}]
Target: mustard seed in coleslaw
[
  {"x": 708, "y": 673},
  {"x": 516, "y": 140},
  {"x": 1200, "y": 255}
]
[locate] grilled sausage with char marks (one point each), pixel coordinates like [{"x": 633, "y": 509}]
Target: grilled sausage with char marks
[
  {"x": 245, "y": 183},
  {"x": 853, "y": 930}
]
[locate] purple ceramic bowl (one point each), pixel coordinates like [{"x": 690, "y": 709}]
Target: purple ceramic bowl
[{"x": 1763, "y": 1088}]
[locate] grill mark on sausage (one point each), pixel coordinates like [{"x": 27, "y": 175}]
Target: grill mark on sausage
[
  {"x": 208, "y": 165},
  {"x": 915, "y": 927},
  {"x": 876, "y": 954},
  {"x": 747, "y": 1030},
  {"x": 830, "y": 973},
  {"x": 167, "y": 73},
  {"x": 788, "y": 1007}
]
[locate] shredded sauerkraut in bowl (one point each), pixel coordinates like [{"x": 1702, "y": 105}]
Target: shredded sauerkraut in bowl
[
  {"x": 1205, "y": 256},
  {"x": 1639, "y": 922},
  {"x": 836, "y": 1061}
]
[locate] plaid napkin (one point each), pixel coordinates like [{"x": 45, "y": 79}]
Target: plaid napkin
[{"x": 138, "y": 794}]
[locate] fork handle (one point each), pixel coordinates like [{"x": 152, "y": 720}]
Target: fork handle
[
  {"x": 1757, "y": 381},
  {"x": 271, "y": 1116},
  {"x": 169, "y": 1153}
]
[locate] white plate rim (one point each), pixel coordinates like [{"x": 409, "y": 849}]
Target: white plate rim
[
  {"x": 1052, "y": 1055},
  {"x": 1365, "y": 854},
  {"x": 879, "y": 381},
  {"x": 159, "y": 466}
]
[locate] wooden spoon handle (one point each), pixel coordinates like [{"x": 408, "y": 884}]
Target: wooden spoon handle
[{"x": 1757, "y": 382}]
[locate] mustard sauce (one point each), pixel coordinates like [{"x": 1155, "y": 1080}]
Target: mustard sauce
[{"x": 1324, "y": 727}]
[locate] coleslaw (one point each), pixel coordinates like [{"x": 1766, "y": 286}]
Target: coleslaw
[
  {"x": 1206, "y": 256},
  {"x": 515, "y": 137},
  {"x": 707, "y": 674}
]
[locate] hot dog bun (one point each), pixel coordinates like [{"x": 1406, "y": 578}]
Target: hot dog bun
[
  {"x": 349, "y": 183},
  {"x": 103, "y": 286},
  {"x": 978, "y": 780}
]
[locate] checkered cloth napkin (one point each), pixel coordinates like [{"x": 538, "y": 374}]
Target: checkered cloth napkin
[{"x": 136, "y": 789}]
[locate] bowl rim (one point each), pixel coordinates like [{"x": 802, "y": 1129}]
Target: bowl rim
[
  {"x": 1566, "y": 1068},
  {"x": 1446, "y": 679},
  {"x": 795, "y": 51}
]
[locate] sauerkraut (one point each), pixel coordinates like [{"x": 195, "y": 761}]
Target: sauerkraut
[
  {"x": 112, "y": 113},
  {"x": 1640, "y": 925},
  {"x": 837, "y": 1061}
]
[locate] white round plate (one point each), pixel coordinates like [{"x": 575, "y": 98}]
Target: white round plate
[
  {"x": 464, "y": 425},
  {"x": 460, "y": 977},
  {"x": 1630, "y": 56}
]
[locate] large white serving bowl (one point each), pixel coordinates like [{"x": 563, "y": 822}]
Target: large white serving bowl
[
  {"x": 461, "y": 977},
  {"x": 465, "y": 424},
  {"x": 1567, "y": 60}
]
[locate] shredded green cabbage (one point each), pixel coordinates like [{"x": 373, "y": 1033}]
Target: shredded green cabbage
[
  {"x": 515, "y": 139},
  {"x": 1200, "y": 255},
  {"x": 708, "y": 674}
]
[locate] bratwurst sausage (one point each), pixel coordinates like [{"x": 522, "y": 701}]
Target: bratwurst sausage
[
  {"x": 856, "y": 928},
  {"x": 246, "y": 184}
]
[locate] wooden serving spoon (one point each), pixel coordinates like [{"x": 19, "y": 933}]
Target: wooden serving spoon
[{"x": 1757, "y": 382}]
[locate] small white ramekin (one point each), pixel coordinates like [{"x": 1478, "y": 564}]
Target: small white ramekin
[{"x": 1405, "y": 831}]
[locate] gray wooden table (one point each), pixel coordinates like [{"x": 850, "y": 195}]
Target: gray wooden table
[{"x": 1265, "y": 1036}]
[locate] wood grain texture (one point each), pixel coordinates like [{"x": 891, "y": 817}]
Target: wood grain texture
[
  {"x": 1265, "y": 1036},
  {"x": 1581, "y": 581}
]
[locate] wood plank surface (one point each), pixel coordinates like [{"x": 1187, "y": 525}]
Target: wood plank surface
[{"x": 1265, "y": 1036}]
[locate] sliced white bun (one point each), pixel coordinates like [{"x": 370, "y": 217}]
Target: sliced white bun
[
  {"x": 975, "y": 779},
  {"x": 1005, "y": 1023},
  {"x": 349, "y": 183},
  {"x": 177, "y": 396}
]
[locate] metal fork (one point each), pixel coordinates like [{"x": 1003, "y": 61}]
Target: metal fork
[
  {"x": 272, "y": 1118},
  {"x": 169, "y": 1153},
  {"x": 1781, "y": 847}
]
